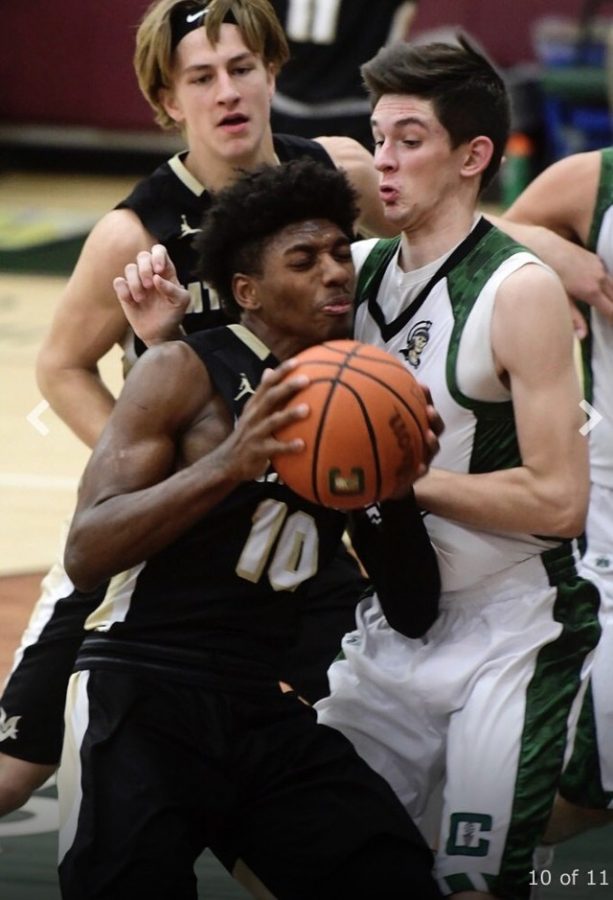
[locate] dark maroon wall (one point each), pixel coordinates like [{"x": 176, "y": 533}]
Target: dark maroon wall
[
  {"x": 501, "y": 26},
  {"x": 70, "y": 61}
]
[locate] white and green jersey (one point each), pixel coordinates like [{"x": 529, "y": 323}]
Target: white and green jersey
[
  {"x": 598, "y": 347},
  {"x": 438, "y": 320}
]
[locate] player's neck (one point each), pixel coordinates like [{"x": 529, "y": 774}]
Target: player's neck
[
  {"x": 430, "y": 241},
  {"x": 216, "y": 172},
  {"x": 284, "y": 343}
]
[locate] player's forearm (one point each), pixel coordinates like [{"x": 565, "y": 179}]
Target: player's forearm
[
  {"x": 509, "y": 500},
  {"x": 80, "y": 398},
  {"x": 552, "y": 248},
  {"x": 123, "y": 531},
  {"x": 401, "y": 563},
  {"x": 582, "y": 272}
]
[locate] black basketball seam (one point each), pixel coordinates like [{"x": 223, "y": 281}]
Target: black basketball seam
[
  {"x": 375, "y": 357},
  {"x": 371, "y": 432},
  {"x": 398, "y": 396},
  {"x": 344, "y": 362},
  {"x": 317, "y": 439}
]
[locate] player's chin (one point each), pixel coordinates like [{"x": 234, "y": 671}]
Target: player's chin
[
  {"x": 337, "y": 332},
  {"x": 337, "y": 323}
]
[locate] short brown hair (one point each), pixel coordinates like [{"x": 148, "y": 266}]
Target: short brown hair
[
  {"x": 154, "y": 56},
  {"x": 468, "y": 95}
]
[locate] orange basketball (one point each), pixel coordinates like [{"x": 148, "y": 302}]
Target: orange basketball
[{"x": 365, "y": 433}]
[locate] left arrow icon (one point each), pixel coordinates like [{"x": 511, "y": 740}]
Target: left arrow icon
[{"x": 34, "y": 418}]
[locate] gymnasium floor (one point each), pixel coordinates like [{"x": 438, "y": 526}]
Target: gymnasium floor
[{"x": 43, "y": 217}]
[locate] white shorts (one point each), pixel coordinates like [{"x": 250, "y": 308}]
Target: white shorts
[
  {"x": 588, "y": 779},
  {"x": 484, "y": 701}
]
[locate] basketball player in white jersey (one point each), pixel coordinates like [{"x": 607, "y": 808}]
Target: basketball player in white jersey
[
  {"x": 483, "y": 700},
  {"x": 574, "y": 197}
]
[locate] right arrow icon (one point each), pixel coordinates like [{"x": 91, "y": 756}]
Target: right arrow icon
[{"x": 594, "y": 417}]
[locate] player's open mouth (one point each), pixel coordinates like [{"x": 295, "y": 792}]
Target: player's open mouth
[
  {"x": 234, "y": 122},
  {"x": 388, "y": 193}
]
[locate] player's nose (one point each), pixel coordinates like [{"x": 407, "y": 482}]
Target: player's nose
[{"x": 335, "y": 271}]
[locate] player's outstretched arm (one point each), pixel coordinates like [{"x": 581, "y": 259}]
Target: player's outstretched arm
[
  {"x": 132, "y": 503},
  {"x": 552, "y": 217},
  {"x": 87, "y": 323},
  {"x": 152, "y": 298}
]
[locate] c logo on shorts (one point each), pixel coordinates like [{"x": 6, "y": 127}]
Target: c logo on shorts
[{"x": 465, "y": 830}]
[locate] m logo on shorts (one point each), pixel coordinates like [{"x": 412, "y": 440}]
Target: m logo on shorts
[{"x": 466, "y": 834}]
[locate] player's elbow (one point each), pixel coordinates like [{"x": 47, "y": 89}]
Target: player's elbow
[
  {"x": 411, "y": 610},
  {"x": 571, "y": 524},
  {"x": 567, "y": 514},
  {"x": 50, "y": 367},
  {"x": 46, "y": 371},
  {"x": 417, "y": 624},
  {"x": 80, "y": 563}
]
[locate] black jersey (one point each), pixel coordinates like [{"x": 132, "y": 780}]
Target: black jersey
[
  {"x": 319, "y": 90},
  {"x": 232, "y": 582},
  {"x": 171, "y": 202}
]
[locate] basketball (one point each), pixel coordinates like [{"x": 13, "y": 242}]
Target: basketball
[{"x": 365, "y": 433}]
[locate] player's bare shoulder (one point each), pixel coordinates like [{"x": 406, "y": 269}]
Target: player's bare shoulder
[{"x": 118, "y": 236}]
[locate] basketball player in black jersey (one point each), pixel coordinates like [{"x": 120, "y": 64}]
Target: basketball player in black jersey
[
  {"x": 320, "y": 89},
  {"x": 179, "y": 735},
  {"x": 214, "y": 84}
]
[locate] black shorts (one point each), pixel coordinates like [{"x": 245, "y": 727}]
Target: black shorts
[{"x": 163, "y": 770}]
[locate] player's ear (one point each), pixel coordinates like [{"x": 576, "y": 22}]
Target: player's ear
[
  {"x": 245, "y": 290},
  {"x": 167, "y": 99},
  {"x": 477, "y": 156}
]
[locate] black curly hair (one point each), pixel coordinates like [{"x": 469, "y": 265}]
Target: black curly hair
[{"x": 247, "y": 214}]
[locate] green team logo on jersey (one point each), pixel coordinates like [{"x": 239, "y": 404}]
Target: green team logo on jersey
[{"x": 466, "y": 832}]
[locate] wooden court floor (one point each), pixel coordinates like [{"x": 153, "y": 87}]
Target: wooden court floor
[{"x": 40, "y": 459}]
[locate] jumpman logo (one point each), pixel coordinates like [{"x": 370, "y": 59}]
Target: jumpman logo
[
  {"x": 185, "y": 228},
  {"x": 244, "y": 387}
]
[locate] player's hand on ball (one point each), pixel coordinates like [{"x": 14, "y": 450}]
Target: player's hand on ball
[
  {"x": 252, "y": 443},
  {"x": 365, "y": 438}
]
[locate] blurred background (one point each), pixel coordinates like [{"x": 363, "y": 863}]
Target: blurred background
[{"x": 67, "y": 79}]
